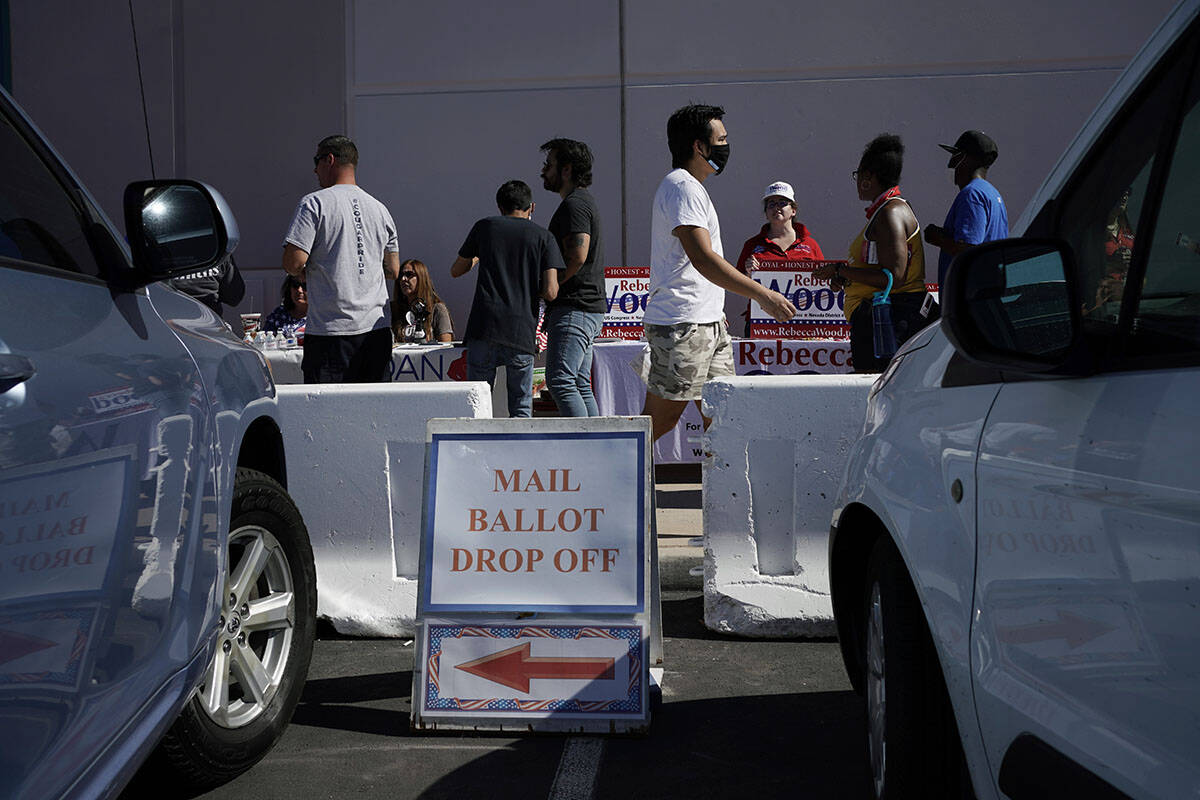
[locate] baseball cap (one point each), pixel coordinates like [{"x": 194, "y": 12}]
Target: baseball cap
[
  {"x": 973, "y": 143},
  {"x": 780, "y": 189}
]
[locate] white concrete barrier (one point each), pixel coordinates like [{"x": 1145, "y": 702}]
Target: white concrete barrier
[
  {"x": 356, "y": 466},
  {"x": 778, "y": 447}
]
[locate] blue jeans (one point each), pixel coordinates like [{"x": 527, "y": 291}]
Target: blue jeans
[
  {"x": 569, "y": 359},
  {"x": 482, "y": 360}
]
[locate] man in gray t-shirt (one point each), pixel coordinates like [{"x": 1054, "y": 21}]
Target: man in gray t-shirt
[{"x": 342, "y": 243}]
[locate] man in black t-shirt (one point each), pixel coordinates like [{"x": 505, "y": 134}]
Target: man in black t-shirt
[
  {"x": 518, "y": 263},
  {"x": 575, "y": 317}
]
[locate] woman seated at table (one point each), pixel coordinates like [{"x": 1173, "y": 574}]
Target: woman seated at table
[
  {"x": 292, "y": 312},
  {"x": 890, "y": 242},
  {"x": 415, "y": 295},
  {"x": 782, "y": 241}
]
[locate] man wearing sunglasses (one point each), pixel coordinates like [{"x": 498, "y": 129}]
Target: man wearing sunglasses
[
  {"x": 342, "y": 245},
  {"x": 977, "y": 214}
]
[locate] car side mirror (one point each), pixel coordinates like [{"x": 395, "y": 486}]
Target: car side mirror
[
  {"x": 1014, "y": 305},
  {"x": 176, "y": 227}
]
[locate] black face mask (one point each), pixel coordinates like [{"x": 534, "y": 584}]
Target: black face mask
[{"x": 718, "y": 157}]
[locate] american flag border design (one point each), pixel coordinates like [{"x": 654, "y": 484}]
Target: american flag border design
[{"x": 631, "y": 704}]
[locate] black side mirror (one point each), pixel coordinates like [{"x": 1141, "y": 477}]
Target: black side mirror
[
  {"x": 1014, "y": 305},
  {"x": 176, "y": 227}
]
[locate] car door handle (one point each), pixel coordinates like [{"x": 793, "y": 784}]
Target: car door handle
[{"x": 14, "y": 370}]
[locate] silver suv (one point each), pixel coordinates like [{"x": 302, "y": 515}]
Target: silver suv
[{"x": 156, "y": 581}]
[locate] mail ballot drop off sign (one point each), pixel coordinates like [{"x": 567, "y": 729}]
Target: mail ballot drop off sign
[{"x": 535, "y": 522}]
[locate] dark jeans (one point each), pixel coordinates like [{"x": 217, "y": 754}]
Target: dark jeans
[
  {"x": 569, "y": 359},
  {"x": 357, "y": 358},
  {"x": 482, "y": 360}
]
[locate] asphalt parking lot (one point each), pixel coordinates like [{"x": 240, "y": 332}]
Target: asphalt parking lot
[{"x": 738, "y": 719}]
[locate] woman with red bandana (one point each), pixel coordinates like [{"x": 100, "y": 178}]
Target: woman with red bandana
[
  {"x": 781, "y": 241},
  {"x": 891, "y": 241}
]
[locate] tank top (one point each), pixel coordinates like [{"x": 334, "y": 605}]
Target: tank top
[{"x": 863, "y": 255}]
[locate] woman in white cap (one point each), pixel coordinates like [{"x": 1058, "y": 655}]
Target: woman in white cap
[{"x": 782, "y": 240}]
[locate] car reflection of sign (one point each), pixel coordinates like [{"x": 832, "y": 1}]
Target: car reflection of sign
[
  {"x": 116, "y": 402},
  {"x": 57, "y": 527},
  {"x": 44, "y": 649},
  {"x": 1092, "y": 626}
]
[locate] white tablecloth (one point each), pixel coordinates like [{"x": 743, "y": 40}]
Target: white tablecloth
[
  {"x": 410, "y": 362},
  {"x": 620, "y": 391}
]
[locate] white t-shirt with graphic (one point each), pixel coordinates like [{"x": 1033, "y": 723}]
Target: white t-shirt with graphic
[{"x": 679, "y": 293}]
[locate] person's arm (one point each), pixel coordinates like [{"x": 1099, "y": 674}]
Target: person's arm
[
  {"x": 574, "y": 252},
  {"x": 969, "y": 225},
  {"x": 549, "y": 284},
  {"x": 231, "y": 288},
  {"x": 443, "y": 330},
  {"x": 462, "y": 266},
  {"x": 294, "y": 260},
  {"x": 391, "y": 265},
  {"x": 940, "y": 238},
  {"x": 697, "y": 244},
  {"x": 891, "y": 247},
  {"x": 740, "y": 264}
]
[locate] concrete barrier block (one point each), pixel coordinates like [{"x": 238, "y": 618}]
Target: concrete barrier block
[
  {"x": 356, "y": 466},
  {"x": 777, "y": 448}
]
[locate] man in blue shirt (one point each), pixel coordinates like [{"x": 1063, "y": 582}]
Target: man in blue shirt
[{"x": 977, "y": 214}]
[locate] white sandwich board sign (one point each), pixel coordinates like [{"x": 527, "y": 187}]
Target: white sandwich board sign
[{"x": 536, "y": 589}]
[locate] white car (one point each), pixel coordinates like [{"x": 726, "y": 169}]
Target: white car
[{"x": 1015, "y": 551}]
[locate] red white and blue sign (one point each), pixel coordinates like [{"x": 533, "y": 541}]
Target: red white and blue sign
[
  {"x": 534, "y": 671},
  {"x": 819, "y": 308}
]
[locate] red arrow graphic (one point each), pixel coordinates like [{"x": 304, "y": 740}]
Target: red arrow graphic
[
  {"x": 514, "y": 668},
  {"x": 16, "y": 645},
  {"x": 1074, "y": 629}
]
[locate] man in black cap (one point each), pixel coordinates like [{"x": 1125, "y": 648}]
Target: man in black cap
[{"x": 977, "y": 214}]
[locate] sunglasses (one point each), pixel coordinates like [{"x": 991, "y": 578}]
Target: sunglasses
[
  {"x": 778, "y": 203},
  {"x": 408, "y": 275},
  {"x": 318, "y": 159}
]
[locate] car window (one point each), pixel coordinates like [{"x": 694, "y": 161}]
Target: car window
[
  {"x": 39, "y": 221},
  {"x": 1100, "y": 211},
  {"x": 1168, "y": 309}
]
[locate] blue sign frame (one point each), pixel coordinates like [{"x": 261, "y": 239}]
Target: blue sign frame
[{"x": 424, "y": 598}]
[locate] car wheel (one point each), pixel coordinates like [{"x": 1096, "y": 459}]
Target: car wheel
[
  {"x": 268, "y": 615},
  {"x": 912, "y": 739}
]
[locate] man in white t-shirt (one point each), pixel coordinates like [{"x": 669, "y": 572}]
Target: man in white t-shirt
[
  {"x": 684, "y": 319},
  {"x": 342, "y": 244}
]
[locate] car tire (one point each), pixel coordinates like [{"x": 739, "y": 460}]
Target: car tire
[
  {"x": 912, "y": 738},
  {"x": 261, "y": 661}
]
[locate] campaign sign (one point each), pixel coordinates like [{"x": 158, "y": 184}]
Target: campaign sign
[
  {"x": 819, "y": 309},
  {"x": 538, "y": 671},
  {"x": 627, "y": 289}
]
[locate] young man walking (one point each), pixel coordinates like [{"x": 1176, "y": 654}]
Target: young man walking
[
  {"x": 574, "y": 318},
  {"x": 518, "y": 263},
  {"x": 342, "y": 245},
  {"x": 685, "y": 314},
  {"x": 977, "y": 214}
]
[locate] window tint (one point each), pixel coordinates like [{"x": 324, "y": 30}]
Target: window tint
[
  {"x": 1168, "y": 311},
  {"x": 1100, "y": 211},
  {"x": 39, "y": 221}
]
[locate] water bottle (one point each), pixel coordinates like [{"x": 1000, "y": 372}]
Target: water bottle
[{"x": 881, "y": 321}]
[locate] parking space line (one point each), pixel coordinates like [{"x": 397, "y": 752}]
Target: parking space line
[{"x": 577, "y": 769}]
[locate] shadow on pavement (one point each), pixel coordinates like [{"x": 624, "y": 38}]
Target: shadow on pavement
[{"x": 792, "y": 745}]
